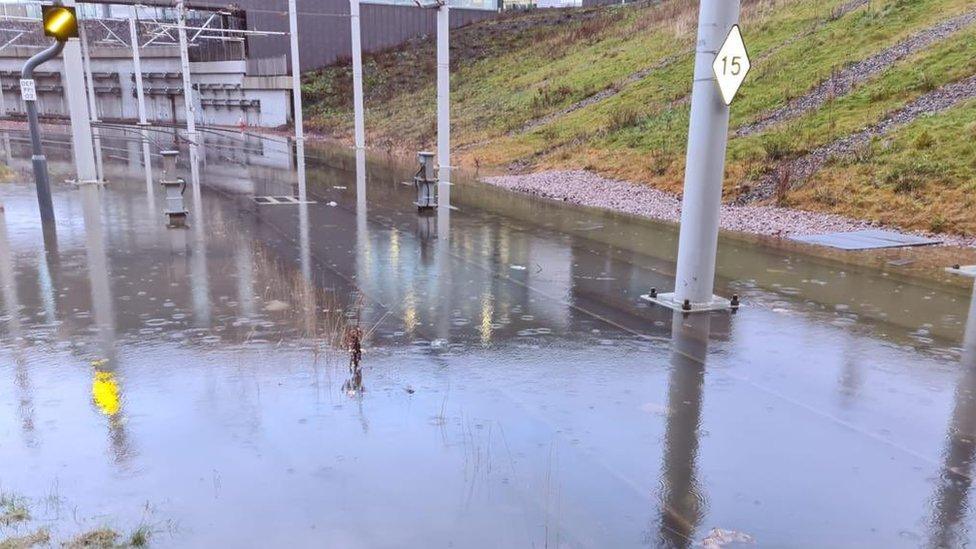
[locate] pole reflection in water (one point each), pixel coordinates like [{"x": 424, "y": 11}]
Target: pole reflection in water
[
  {"x": 303, "y": 235},
  {"x": 106, "y": 391},
  {"x": 951, "y": 503},
  {"x": 681, "y": 504},
  {"x": 14, "y": 332},
  {"x": 364, "y": 249},
  {"x": 98, "y": 272},
  {"x": 8, "y": 283},
  {"x": 7, "y": 153},
  {"x": 147, "y": 171},
  {"x": 443, "y": 268},
  {"x": 244, "y": 265},
  {"x": 49, "y": 263},
  {"x": 361, "y": 194},
  {"x": 200, "y": 284}
]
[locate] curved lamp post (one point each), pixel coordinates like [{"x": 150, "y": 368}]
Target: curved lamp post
[{"x": 61, "y": 23}]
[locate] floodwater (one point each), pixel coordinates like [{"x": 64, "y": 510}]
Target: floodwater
[{"x": 514, "y": 391}]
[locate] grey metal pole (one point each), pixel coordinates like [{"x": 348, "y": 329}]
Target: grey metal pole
[
  {"x": 191, "y": 111},
  {"x": 92, "y": 102},
  {"x": 359, "y": 122},
  {"x": 39, "y": 161},
  {"x": 443, "y": 107},
  {"x": 296, "y": 71},
  {"x": 705, "y": 164}
]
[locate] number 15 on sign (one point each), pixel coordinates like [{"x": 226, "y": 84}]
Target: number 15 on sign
[{"x": 731, "y": 65}]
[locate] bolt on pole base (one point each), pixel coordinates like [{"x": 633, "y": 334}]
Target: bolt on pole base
[{"x": 669, "y": 301}]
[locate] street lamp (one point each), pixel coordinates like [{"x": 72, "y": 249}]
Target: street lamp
[{"x": 61, "y": 23}]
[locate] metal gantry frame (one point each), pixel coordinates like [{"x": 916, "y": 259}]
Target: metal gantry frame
[{"x": 78, "y": 75}]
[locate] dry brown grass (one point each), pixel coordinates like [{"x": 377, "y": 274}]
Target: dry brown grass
[
  {"x": 102, "y": 538},
  {"x": 37, "y": 538},
  {"x": 841, "y": 190}
]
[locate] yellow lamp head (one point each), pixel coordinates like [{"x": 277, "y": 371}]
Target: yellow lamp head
[{"x": 60, "y": 22}]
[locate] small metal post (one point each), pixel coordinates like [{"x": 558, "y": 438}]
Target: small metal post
[
  {"x": 424, "y": 182},
  {"x": 39, "y": 161},
  {"x": 175, "y": 187}
]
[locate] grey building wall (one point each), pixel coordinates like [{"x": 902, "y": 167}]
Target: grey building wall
[{"x": 323, "y": 27}]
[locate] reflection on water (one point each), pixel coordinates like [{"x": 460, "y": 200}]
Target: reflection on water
[
  {"x": 682, "y": 498},
  {"x": 952, "y": 499},
  {"x": 518, "y": 389}
]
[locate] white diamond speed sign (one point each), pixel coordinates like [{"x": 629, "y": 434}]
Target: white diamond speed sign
[{"x": 731, "y": 65}]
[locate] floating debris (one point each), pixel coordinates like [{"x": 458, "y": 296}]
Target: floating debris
[
  {"x": 719, "y": 537},
  {"x": 275, "y": 306}
]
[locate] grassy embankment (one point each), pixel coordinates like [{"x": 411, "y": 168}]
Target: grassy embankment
[{"x": 515, "y": 77}]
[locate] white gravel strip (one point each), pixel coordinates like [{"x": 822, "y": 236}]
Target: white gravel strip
[{"x": 589, "y": 189}]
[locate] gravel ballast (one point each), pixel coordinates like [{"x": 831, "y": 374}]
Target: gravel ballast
[{"x": 589, "y": 189}]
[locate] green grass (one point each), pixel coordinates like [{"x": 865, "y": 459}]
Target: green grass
[
  {"x": 13, "y": 510},
  {"x": 922, "y": 176},
  {"x": 520, "y": 69}
]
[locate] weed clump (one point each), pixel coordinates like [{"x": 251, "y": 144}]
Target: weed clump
[
  {"x": 625, "y": 116},
  {"x": 13, "y": 510},
  {"x": 910, "y": 177},
  {"x": 140, "y": 537},
  {"x": 777, "y": 147},
  {"x": 924, "y": 141},
  {"x": 548, "y": 96},
  {"x": 102, "y": 538},
  {"x": 39, "y": 538}
]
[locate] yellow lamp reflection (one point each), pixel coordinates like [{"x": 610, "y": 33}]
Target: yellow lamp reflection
[
  {"x": 106, "y": 394},
  {"x": 395, "y": 249},
  {"x": 487, "y": 316},
  {"x": 410, "y": 318}
]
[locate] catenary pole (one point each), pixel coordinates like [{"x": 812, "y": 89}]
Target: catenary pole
[
  {"x": 357, "y": 75},
  {"x": 705, "y": 163},
  {"x": 296, "y": 70},
  {"x": 92, "y": 101},
  {"x": 140, "y": 99},
  {"x": 443, "y": 107},
  {"x": 81, "y": 129},
  {"x": 191, "y": 123}
]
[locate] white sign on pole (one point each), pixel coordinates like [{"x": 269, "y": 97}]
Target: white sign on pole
[
  {"x": 731, "y": 65},
  {"x": 28, "y": 90}
]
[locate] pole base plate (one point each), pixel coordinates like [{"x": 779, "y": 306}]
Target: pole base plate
[{"x": 669, "y": 301}]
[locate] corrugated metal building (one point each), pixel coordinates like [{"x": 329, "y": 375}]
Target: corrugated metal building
[{"x": 323, "y": 26}]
